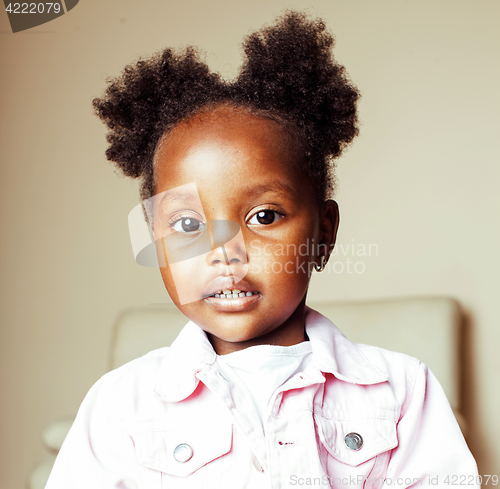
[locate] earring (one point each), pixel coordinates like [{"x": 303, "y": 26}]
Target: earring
[{"x": 320, "y": 268}]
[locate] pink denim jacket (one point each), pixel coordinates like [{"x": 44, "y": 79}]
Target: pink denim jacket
[{"x": 357, "y": 416}]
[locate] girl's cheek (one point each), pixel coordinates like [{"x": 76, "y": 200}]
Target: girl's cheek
[
  {"x": 267, "y": 260},
  {"x": 260, "y": 256},
  {"x": 254, "y": 248},
  {"x": 256, "y": 263}
]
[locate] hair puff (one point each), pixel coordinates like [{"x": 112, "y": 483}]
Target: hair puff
[{"x": 288, "y": 70}]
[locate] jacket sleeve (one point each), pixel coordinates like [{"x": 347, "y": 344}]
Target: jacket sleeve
[
  {"x": 98, "y": 453},
  {"x": 432, "y": 450}
]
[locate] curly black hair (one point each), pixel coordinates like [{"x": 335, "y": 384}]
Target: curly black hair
[{"x": 288, "y": 75}]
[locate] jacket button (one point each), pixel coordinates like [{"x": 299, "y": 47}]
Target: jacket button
[
  {"x": 353, "y": 441},
  {"x": 183, "y": 452}
]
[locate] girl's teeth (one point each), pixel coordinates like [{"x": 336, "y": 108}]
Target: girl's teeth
[{"x": 232, "y": 294}]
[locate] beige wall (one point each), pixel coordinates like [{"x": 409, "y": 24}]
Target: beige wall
[{"x": 420, "y": 182}]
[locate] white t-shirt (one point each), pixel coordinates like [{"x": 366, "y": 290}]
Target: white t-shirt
[{"x": 263, "y": 369}]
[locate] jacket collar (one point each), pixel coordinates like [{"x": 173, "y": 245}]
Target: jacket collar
[
  {"x": 333, "y": 353},
  {"x": 189, "y": 353}
]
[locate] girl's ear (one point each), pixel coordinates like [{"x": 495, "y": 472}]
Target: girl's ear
[{"x": 329, "y": 225}]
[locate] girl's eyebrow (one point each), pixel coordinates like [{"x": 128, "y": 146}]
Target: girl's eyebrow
[
  {"x": 174, "y": 195},
  {"x": 276, "y": 186},
  {"x": 181, "y": 195}
]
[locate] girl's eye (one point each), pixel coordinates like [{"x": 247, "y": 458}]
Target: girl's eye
[
  {"x": 188, "y": 225},
  {"x": 267, "y": 216}
]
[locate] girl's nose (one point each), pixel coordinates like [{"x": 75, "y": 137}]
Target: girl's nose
[{"x": 228, "y": 244}]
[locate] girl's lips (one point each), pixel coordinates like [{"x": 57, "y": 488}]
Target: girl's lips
[
  {"x": 230, "y": 283},
  {"x": 234, "y": 304}
]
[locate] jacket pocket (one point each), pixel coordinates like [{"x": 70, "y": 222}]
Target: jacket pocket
[
  {"x": 355, "y": 441},
  {"x": 181, "y": 451}
]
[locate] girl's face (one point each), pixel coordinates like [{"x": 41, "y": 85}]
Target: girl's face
[{"x": 235, "y": 168}]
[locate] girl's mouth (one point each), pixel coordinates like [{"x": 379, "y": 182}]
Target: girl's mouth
[
  {"x": 231, "y": 294},
  {"x": 233, "y": 300}
]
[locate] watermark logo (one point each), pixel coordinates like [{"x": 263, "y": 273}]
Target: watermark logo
[
  {"x": 26, "y": 15},
  {"x": 178, "y": 234},
  {"x": 207, "y": 258}
]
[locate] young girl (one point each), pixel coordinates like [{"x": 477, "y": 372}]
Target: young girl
[{"x": 258, "y": 390}]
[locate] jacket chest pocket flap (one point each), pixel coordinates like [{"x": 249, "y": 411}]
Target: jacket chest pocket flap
[
  {"x": 181, "y": 451},
  {"x": 367, "y": 438}
]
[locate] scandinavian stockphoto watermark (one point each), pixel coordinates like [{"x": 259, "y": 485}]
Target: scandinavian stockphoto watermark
[
  {"x": 443, "y": 480},
  {"x": 354, "y": 481},
  {"x": 26, "y": 15},
  {"x": 171, "y": 228},
  {"x": 346, "y": 258}
]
